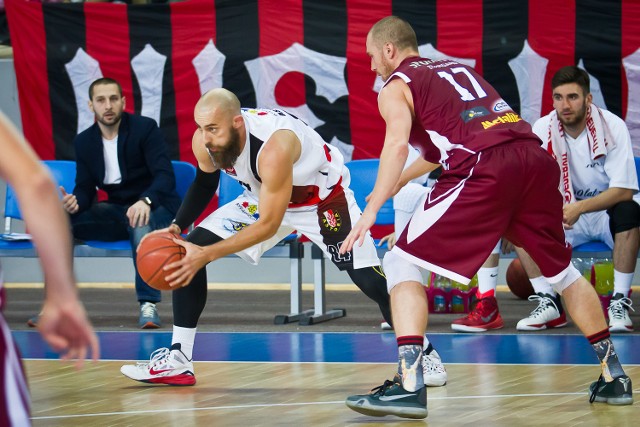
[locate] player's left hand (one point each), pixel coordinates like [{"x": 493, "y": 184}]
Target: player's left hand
[
  {"x": 182, "y": 271},
  {"x": 358, "y": 232},
  {"x": 138, "y": 214}
]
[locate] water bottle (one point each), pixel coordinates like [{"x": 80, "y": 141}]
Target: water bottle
[
  {"x": 439, "y": 303},
  {"x": 585, "y": 267},
  {"x": 461, "y": 295},
  {"x": 440, "y": 287},
  {"x": 603, "y": 280}
]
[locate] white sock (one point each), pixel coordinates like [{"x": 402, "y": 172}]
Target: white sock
[
  {"x": 487, "y": 279},
  {"x": 186, "y": 337},
  {"x": 622, "y": 282},
  {"x": 540, "y": 285}
]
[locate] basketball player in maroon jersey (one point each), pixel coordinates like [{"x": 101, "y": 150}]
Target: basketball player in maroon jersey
[
  {"x": 496, "y": 181},
  {"x": 63, "y": 322}
]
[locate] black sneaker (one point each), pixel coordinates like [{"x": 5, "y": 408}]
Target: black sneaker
[
  {"x": 391, "y": 399},
  {"x": 617, "y": 392}
]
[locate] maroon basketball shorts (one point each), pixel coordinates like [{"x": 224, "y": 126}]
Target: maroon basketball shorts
[
  {"x": 507, "y": 191},
  {"x": 14, "y": 399}
]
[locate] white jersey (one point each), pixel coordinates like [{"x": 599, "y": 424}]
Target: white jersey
[
  {"x": 591, "y": 177},
  {"x": 318, "y": 171}
]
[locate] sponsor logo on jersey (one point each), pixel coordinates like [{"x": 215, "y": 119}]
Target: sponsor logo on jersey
[
  {"x": 254, "y": 111},
  {"x": 231, "y": 171},
  {"x": 474, "y": 113},
  {"x": 507, "y": 118},
  {"x": 249, "y": 209},
  {"x": 500, "y": 106},
  {"x": 586, "y": 193},
  {"x": 233, "y": 226},
  {"x": 332, "y": 220}
]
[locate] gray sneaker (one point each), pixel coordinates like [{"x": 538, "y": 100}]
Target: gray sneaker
[
  {"x": 149, "y": 318},
  {"x": 391, "y": 399}
]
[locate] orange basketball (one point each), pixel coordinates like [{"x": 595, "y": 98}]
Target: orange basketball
[
  {"x": 518, "y": 281},
  {"x": 156, "y": 251}
]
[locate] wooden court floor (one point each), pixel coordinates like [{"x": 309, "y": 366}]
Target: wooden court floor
[{"x": 312, "y": 394}]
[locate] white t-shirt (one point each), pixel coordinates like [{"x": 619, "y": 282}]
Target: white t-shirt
[
  {"x": 591, "y": 177},
  {"x": 112, "y": 174}
]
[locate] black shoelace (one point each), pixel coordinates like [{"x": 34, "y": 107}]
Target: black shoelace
[
  {"x": 595, "y": 389},
  {"x": 379, "y": 391}
]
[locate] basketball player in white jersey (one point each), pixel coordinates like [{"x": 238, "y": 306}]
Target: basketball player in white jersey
[
  {"x": 63, "y": 322},
  {"x": 599, "y": 180},
  {"x": 293, "y": 180}
]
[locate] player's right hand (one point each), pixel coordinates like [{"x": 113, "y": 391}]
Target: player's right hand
[
  {"x": 358, "y": 232},
  {"x": 170, "y": 229}
]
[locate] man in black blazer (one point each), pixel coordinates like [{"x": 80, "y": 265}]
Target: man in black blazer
[{"x": 126, "y": 156}]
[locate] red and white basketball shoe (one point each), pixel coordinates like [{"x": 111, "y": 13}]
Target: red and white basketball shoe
[
  {"x": 548, "y": 314},
  {"x": 165, "y": 366},
  {"x": 484, "y": 316}
]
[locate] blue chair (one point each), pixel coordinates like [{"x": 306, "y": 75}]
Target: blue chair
[
  {"x": 184, "y": 172},
  {"x": 363, "y": 178},
  {"x": 228, "y": 189},
  {"x": 63, "y": 172}
]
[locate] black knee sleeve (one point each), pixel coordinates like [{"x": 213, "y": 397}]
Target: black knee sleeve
[
  {"x": 372, "y": 282},
  {"x": 623, "y": 216},
  {"x": 189, "y": 302}
]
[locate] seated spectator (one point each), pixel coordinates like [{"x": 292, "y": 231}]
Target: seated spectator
[
  {"x": 126, "y": 156},
  {"x": 598, "y": 182}
]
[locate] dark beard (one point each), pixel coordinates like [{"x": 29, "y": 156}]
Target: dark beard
[
  {"x": 579, "y": 117},
  {"x": 116, "y": 120},
  {"x": 226, "y": 158}
]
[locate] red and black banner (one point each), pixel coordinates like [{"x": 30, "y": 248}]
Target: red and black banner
[{"x": 304, "y": 56}]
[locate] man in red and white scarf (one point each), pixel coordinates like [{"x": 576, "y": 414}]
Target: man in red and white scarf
[{"x": 598, "y": 182}]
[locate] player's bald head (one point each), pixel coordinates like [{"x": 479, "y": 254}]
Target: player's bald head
[
  {"x": 395, "y": 30},
  {"x": 220, "y": 101}
]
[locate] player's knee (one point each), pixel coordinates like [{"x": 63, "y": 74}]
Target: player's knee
[
  {"x": 624, "y": 216},
  {"x": 399, "y": 270},
  {"x": 569, "y": 275}
]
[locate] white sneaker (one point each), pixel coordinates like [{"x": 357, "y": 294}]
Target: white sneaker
[
  {"x": 435, "y": 375},
  {"x": 165, "y": 366},
  {"x": 547, "y": 314},
  {"x": 619, "y": 320},
  {"x": 385, "y": 326}
]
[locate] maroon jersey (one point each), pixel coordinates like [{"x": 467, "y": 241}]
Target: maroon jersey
[{"x": 461, "y": 113}]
